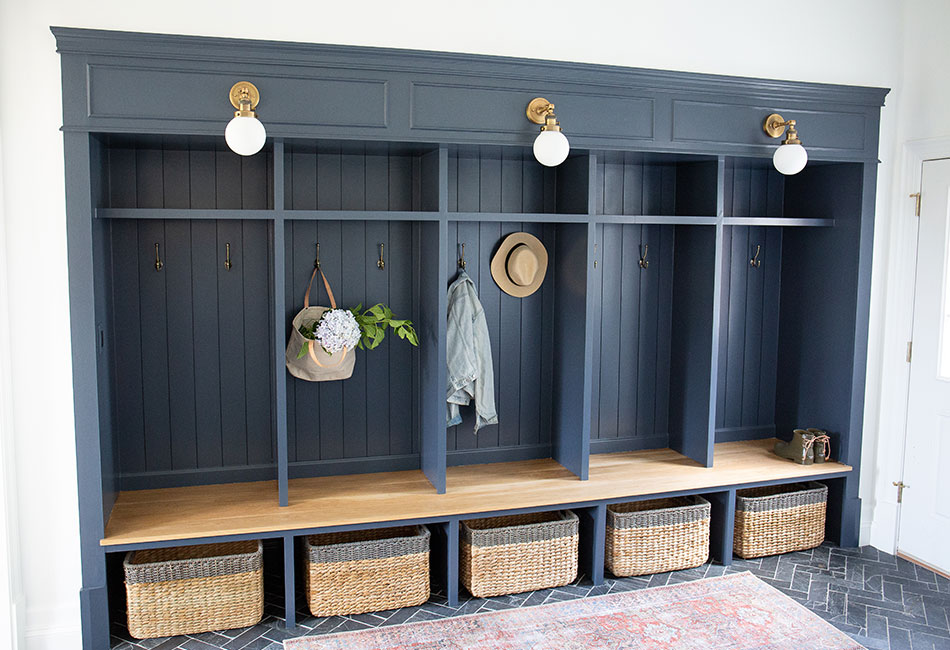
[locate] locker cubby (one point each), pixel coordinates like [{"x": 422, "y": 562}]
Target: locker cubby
[
  {"x": 368, "y": 176},
  {"x": 509, "y": 179},
  {"x": 188, "y": 350},
  {"x": 634, "y": 184},
  {"x": 652, "y": 340},
  {"x": 182, "y": 172},
  {"x": 530, "y": 339},
  {"x": 787, "y": 331},
  {"x": 371, "y": 421}
]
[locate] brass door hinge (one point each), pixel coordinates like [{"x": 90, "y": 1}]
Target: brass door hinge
[
  {"x": 900, "y": 490},
  {"x": 916, "y": 195},
  {"x": 910, "y": 350}
]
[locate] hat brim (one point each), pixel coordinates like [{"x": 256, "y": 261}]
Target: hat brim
[{"x": 499, "y": 264}]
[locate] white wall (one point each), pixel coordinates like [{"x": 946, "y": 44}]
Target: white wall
[
  {"x": 848, "y": 41},
  {"x": 924, "y": 100}
]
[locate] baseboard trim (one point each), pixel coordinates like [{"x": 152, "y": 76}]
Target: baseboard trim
[
  {"x": 54, "y": 637},
  {"x": 921, "y": 563}
]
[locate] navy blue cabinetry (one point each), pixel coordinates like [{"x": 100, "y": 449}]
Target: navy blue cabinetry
[{"x": 696, "y": 303}]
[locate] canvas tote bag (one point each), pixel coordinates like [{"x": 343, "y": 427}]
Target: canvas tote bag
[{"x": 317, "y": 365}]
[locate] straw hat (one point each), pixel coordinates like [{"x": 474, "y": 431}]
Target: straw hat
[{"x": 519, "y": 264}]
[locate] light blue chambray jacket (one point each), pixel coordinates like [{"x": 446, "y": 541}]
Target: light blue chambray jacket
[{"x": 469, "y": 356}]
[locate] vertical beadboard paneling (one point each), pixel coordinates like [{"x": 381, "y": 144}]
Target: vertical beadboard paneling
[
  {"x": 748, "y": 344},
  {"x": 190, "y": 347}
]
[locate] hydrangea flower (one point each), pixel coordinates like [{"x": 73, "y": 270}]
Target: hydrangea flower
[{"x": 337, "y": 329}]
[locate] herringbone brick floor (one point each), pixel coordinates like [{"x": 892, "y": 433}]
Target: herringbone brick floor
[{"x": 883, "y": 602}]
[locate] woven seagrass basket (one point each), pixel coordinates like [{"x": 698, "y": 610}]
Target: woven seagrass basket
[
  {"x": 515, "y": 553},
  {"x": 779, "y": 519},
  {"x": 193, "y": 589},
  {"x": 367, "y": 570},
  {"x": 657, "y": 536}
]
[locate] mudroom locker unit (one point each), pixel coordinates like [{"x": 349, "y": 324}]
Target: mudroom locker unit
[{"x": 697, "y": 303}]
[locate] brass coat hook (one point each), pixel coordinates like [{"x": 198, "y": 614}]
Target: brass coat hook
[
  {"x": 316, "y": 262},
  {"x": 381, "y": 263},
  {"x": 755, "y": 262},
  {"x": 462, "y": 258},
  {"x": 159, "y": 264},
  {"x": 227, "y": 256},
  {"x": 644, "y": 263}
]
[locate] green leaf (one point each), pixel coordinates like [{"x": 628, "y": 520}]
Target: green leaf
[{"x": 303, "y": 351}]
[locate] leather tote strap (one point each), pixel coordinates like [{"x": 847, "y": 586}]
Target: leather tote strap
[
  {"x": 306, "y": 303},
  {"x": 326, "y": 284},
  {"x": 313, "y": 356}
]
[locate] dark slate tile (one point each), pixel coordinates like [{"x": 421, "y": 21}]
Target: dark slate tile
[
  {"x": 659, "y": 579},
  {"x": 170, "y": 643},
  {"x": 854, "y": 571},
  {"x": 538, "y": 597},
  {"x": 574, "y": 590},
  {"x": 557, "y": 597},
  {"x": 925, "y": 575},
  {"x": 331, "y": 624},
  {"x": 211, "y": 638},
  {"x": 281, "y": 635},
  {"x": 857, "y": 614},
  {"x": 936, "y": 615},
  {"x": 714, "y": 571},
  {"x": 120, "y": 644},
  {"x": 877, "y": 626},
  {"x": 441, "y": 610},
  {"x": 921, "y": 641},
  {"x": 898, "y": 638},
  {"x": 874, "y": 583},
  {"x": 195, "y": 644},
  {"x": 893, "y": 591},
  {"x": 151, "y": 644},
  {"x": 801, "y": 582},
  {"x": 871, "y": 643},
  {"x": 349, "y": 625},
  {"x": 243, "y": 639},
  {"x": 400, "y": 616},
  {"x": 371, "y": 619},
  {"x": 262, "y": 643},
  {"x": 870, "y": 552},
  {"x": 818, "y": 591},
  {"x": 421, "y": 615},
  {"x": 906, "y": 567}
]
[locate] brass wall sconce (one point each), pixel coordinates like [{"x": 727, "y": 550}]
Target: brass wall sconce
[
  {"x": 790, "y": 157},
  {"x": 551, "y": 146},
  {"x": 245, "y": 134}
]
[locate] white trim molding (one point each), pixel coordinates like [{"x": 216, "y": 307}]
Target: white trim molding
[
  {"x": 11, "y": 591},
  {"x": 898, "y": 331}
]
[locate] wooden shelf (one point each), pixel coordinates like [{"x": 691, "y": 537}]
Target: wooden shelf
[{"x": 145, "y": 516}]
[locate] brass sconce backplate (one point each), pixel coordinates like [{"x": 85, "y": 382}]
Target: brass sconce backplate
[
  {"x": 774, "y": 125},
  {"x": 538, "y": 109},
  {"x": 238, "y": 91}
]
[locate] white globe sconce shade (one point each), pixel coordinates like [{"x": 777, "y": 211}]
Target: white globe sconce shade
[
  {"x": 551, "y": 146},
  {"x": 790, "y": 157},
  {"x": 245, "y": 134}
]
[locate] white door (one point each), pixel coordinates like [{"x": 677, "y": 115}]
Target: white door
[{"x": 925, "y": 509}]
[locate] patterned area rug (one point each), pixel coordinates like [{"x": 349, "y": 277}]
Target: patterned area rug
[{"x": 733, "y": 612}]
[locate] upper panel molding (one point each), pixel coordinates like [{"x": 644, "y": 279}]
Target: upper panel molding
[
  {"x": 312, "y": 91},
  {"x": 211, "y": 49}
]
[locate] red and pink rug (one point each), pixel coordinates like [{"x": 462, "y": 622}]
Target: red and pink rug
[{"x": 734, "y": 612}]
